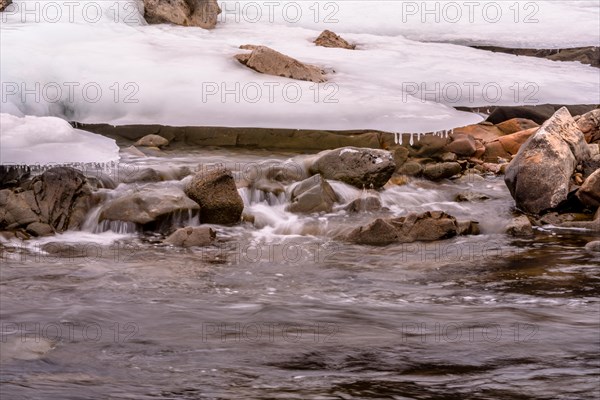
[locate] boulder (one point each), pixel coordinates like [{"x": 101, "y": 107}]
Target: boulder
[
  {"x": 152, "y": 141},
  {"x": 148, "y": 205},
  {"x": 268, "y": 61},
  {"x": 484, "y": 131},
  {"x": 201, "y": 13},
  {"x": 462, "y": 144},
  {"x": 515, "y": 125},
  {"x": 539, "y": 176},
  {"x": 439, "y": 171},
  {"x": 538, "y": 113},
  {"x": 191, "y": 237},
  {"x": 494, "y": 151},
  {"x": 360, "y": 167},
  {"x": 216, "y": 193},
  {"x": 520, "y": 227},
  {"x": 428, "y": 226},
  {"x": 330, "y": 39},
  {"x": 589, "y": 124},
  {"x": 411, "y": 168},
  {"x": 470, "y": 197},
  {"x": 364, "y": 204},
  {"x": 59, "y": 198},
  {"x": 589, "y": 192},
  {"x": 312, "y": 195}
]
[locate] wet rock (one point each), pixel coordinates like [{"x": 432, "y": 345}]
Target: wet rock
[
  {"x": 148, "y": 205},
  {"x": 268, "y": 61},
  {"x": 191, "y": 237},
  {"x": 143, "y": 175},
  {"x": 515, "y": 125},
  {"x": 216, "y": 193},
  {"x": 593, "y": 247},
  {"x": 436, "y": 172},
  {"x": 589, "y": 124},
  {"x": 589, "y": 192},
  {"x": 520, "y": 227},
  {"x": 330, "y": 39},
  {"x": 152, "y": 141},
  {"x": 312, "y": 195},
  {"x": 462, "y": 144},
  {"x": 201, "y": 13},
  {"x": 39, "y": 229},
  {"x": 364, "y": 204},
  {"x": 539, "y": 176},
  {"x": 60, "y": 198},
  {"x": 470, "y": 197},
  {"x": 400, "y": 155},
  {"x": 360, "y": 167},
  {"x": 494, "y": 151},
  {"x": 428, "y": 226}
]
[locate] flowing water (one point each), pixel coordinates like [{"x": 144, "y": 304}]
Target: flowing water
[{"x": 283, "y": 309}]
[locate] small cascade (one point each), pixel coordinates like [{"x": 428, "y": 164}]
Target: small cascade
[{"x": 252, "y": 196}]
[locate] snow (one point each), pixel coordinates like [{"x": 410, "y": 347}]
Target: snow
[
  {"x": 44, "y": 140},
  {"x": 119, "y": 70},
  {"x": 344, "y": 151}
]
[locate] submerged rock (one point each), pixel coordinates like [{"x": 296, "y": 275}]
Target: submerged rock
[
  {"x": 470, "y": 197},
  {"x": 191, "y": 236},
  {"x": 428, "y": 226},
  {"x": 152, "y": 141},
  {"x": 268, "y": 61},
  {"x": 312, "y": 195},
  {"x": 216, "y": 193},
  {"x": 593, "y": 247},
  {"x": 329, "y": 39},
  {"x": 201, "y": 13},
  {"x": 364, "y": 204},
  {"x": 520, "y": 227},
  {"x": 360, "y": 167},
  {"x": 539, "y": 176}
]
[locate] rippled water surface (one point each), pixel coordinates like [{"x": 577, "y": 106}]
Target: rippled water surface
[{"x": 283, "y": 309}]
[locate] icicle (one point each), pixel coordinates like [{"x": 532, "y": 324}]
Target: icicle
[{"x": 412, "y": 142}]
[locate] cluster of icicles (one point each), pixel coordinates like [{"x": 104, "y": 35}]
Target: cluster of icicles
[{"x": 398, "y": 136}]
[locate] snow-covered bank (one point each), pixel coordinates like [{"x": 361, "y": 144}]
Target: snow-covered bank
[{"x": 128, "y": 72}]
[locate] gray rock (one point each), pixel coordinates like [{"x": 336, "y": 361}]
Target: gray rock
[
  {"x": 520, "y": 227},
  {"x": 39, "y": 229},
  {"x": 312, "y": 195},
  {"x": 470, "y": 197},
  {"x": 147, "y": 205},
  {"x": 216, "y": 193},
  {"x": 539, "y": 176},
  {"x": 436, "y": 172},
  {"x": 360, "y": 167},
  {"x": 411, "y": 168},
  {"x": 191, "y": 236}
]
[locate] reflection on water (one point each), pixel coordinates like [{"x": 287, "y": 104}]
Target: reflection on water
[{"x": 281, "y": 309}]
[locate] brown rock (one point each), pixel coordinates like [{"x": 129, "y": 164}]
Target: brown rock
[
  {"x": 439, "y": 171},
  {"x": 268, "y": 61},
  {"x": 494, "y": 151},
  {"x": 216, "y": 193},
  {"x": 589, "y": 192},
  {"x": 520, "y": 227},
  {"x": 330, "y": 39},
  {"x": 516, "y": 125},
  {"x": 152, "y": 141},
  {"x": 201, "y": 13},
  {"x": 589, "y": 124},
  {"x": 364, "y": 204},
  {"x": 486, "y": 133},
  {"x": 462, "y": 144},
  {"x": 4, "y": 4},
  {"x": 512, "y": 143}
]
